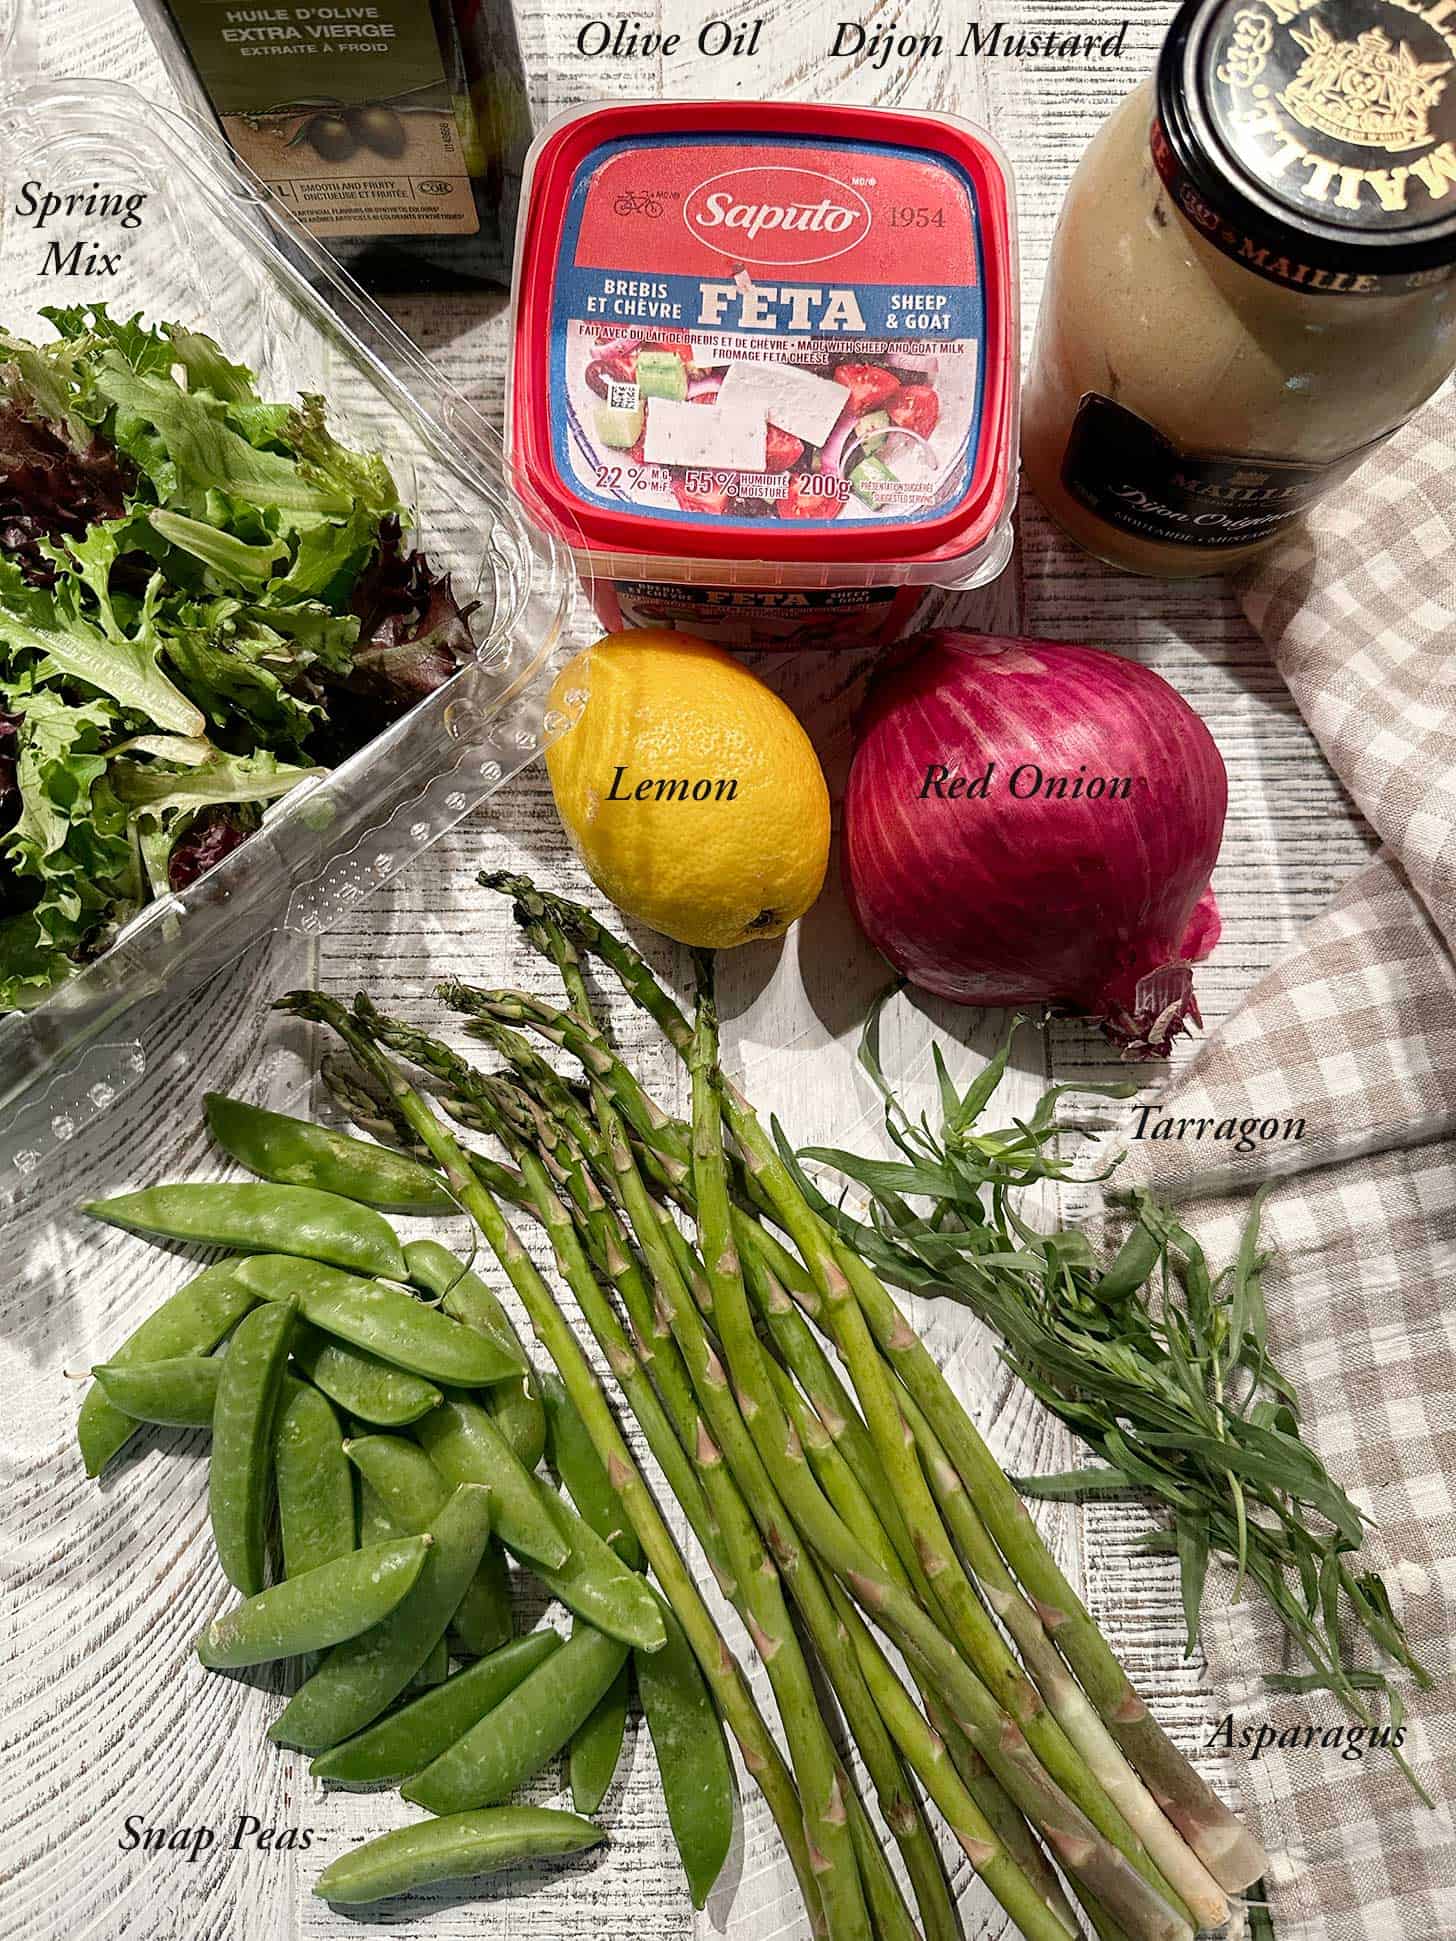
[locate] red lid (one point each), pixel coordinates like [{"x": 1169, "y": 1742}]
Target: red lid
[{"x": 781, "y": 331}]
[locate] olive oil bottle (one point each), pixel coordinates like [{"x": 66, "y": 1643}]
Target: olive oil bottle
[{"x": 394, "y": 130}]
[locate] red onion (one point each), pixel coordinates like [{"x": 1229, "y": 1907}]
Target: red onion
[
  {"x": 831, "y": 452},
  {"x": 1030, "y": 822}
]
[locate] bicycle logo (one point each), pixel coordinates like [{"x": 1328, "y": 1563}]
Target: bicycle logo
[{"x": 630, "y": 203}]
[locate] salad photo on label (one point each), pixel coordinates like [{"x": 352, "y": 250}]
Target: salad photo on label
[{"x": 764, "y": 438}]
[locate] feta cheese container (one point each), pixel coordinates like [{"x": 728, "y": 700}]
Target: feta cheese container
[{"x": 764, "y": 364}]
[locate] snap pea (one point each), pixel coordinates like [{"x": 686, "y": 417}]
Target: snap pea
[
  {"x": 436, "y": 1668},
  {"x": 191, "y": 1322},
  {"x": 452, "y": 1849},
  {"x": 514, "y": 1741},
  {"x": 595, "y": 1750},
  {"x": 240, "y": 1477},
  {"x": 595, "y": 1585},
  {"x": 583, "y": 1474},
  {"x": 410, "y": 1491},
  {"x": 371, "y": 1314},
  {"x": 466, "y": 1447},
  {"x": 363, "y": 1385},
  {"x": 320, "y": 1608},
  {"x": 376, "y": 1525},
  {"x": 315, "y": 1484},
  {"x": 692, "y": 1758},
  {"x": 418, "y": 1732},
  {"x": 516, "y": 1412},
  {"x": 358, "y": 1679},
  {"x": 485, "y": 1618},
  {"x": 409, "y": 1488},
  {"x": 180, "y": 1393},
  {"x": 515, "y": 1406},
  {"x": 596, "y": 1746},
  {"x": 296, "y": 1152},
  {"x": 591, "y": 1581},
  {"x": 258, "y": 1219}
]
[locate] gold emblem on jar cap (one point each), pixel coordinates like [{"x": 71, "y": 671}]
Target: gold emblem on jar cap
[{"x": 1370, "y": 91}]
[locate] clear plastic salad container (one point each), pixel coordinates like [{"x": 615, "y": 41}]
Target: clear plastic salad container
[
  {"x": 209, "y": 253},
  {"x": 765, "y": 357}
]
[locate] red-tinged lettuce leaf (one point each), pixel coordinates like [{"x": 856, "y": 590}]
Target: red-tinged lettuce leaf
[
  {"x": 210, "y": 835},
  {"x": 413, "y": 632},
  {"x": 51, "y": 491}
]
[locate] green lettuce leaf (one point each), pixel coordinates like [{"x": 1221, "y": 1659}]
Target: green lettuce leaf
[
  {"x": 157, "y": 790},
  {"x": 105, "y": 658},
  {"x": 234, "y": 670},
  {"x": 235, "y": 559},
  {"x": 72, "y": 839},
  {"x": 201, "y": 451},
  {"x": 206, "y": 367}
]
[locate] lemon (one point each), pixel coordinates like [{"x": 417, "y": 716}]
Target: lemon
[{"x": 691, "y": 791}]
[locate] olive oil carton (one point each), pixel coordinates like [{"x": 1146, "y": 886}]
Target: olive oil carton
[{"x": 393, "y": 129}]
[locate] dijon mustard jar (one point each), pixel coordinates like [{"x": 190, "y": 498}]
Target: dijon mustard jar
[{"x": 1251, "y": 283}]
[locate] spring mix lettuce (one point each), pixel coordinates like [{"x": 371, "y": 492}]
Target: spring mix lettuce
[{"x": 204, "y": 598}]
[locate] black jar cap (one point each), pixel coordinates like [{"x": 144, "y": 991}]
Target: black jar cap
[{"x": 1314, "y": 141}]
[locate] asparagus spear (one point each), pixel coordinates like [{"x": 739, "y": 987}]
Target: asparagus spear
[
  {"x": 826, "y": 1812},
  {"x": 373, "y": 1113},
  {"x": 1007, "y": 1824},
  {"x": 1228, "y": 1850},
  {"x": 1033, "y": 1914},
  {"x": 886, "y": 1903},
  {"x": 1202, "y": 1893}
]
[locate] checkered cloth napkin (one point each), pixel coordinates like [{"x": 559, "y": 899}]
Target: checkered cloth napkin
[{"x": 1355, "y": 1032}]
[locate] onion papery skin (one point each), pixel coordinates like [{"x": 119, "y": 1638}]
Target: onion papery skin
[{"x": 1100, "y": 904}]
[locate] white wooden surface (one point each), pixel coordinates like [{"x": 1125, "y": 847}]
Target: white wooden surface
[{"x": 106, "y": 1713}]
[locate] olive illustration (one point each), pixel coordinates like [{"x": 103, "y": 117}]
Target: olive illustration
[
  {"x": 378, "y": 128},
  {"x": 330, "y": 137}
]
